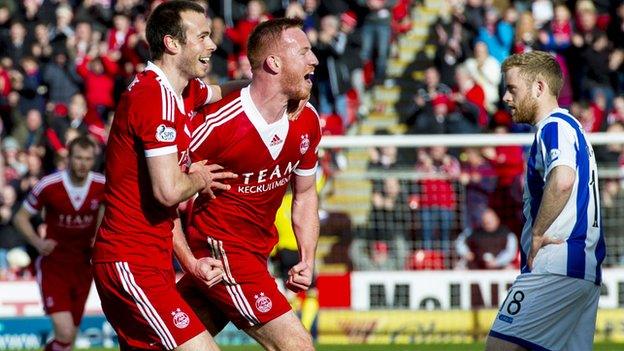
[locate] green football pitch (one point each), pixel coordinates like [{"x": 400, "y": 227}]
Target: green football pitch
[{"x": 423, "y": 347}]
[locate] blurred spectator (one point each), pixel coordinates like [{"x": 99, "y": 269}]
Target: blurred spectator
[
  {"x": 378, "y": 255},
  {"x": 73, "y": 119},
  {"x": 41, "y": 48},
  {"x": 440, "y": 120},
  {"x": 10, "y": 239},
  {"x": 223, "y": 57},
  {"x": 526, "y": 34},
  {"x": 376, "y": 33},
  {"x": 617, "y": 114},
  {"x": 557, "y": 34},
  {"x": 61, "y": 78},
  {"x": 32, "y": 89},
  {"x": 243, "y": 68},
  {"x": 469, "y": 92},
  {"x": 428, "y": 90},
  {"x": 62, "y": 29},
  {"x": 332, "y": 75},
  {"x": 542, "y": 11},
  {"x": 479, "y": 179},
  {"x": 497, "y": 34},
  {"x": 489, "y": 246},
  {"x": 486, "y": 71},
  {"x": 98, "y": 71},
  {"x": 452, "y": 49},
  {"x": 351, "y": 57},
  {"x": 434, "y": 195},
  {"x": 15, "y": 46},
  {"x": 256, "y": 14},
  {"x": 29, "y": 133},
  {"x": 508, "y": 163}
]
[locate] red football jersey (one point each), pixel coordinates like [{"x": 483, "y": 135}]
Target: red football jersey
[
  {"x": 151, "y": 120},
  {"x": 234, "y": 135},
  {"x": 70, "y": 213}
]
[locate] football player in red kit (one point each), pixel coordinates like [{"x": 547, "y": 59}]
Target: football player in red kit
[
  {"x": 250, "y": 133},
  {"x": 71, "y": 201}
]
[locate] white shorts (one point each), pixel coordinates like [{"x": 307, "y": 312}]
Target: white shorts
[{"x": 548, "y": 312}]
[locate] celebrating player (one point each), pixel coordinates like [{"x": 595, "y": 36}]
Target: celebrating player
[
  {"x": 146, "y": 151},
  {"x": 250, "y": 133},
  {"x": 553, "y": 302},
  {"x": 71, "y": 202}
]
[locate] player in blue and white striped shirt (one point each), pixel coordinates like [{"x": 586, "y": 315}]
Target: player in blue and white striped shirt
[{"x": 552, "y": 304}]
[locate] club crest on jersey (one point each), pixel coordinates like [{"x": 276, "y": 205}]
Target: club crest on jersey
[
  {"x": 180, "y": 319},
  {"x": 263, "y": 303},
  {"x": 165, "y": 134},
  {"x": 305, "y": 144},
  {"x": 553, "y": 155},
  {"x": 95, "y": 204}
]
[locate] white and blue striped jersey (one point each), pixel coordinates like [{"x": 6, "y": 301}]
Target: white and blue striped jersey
[{"x": 560, "y": 140}]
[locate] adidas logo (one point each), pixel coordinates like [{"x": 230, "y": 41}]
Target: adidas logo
[{"x": 276, "y": 140}]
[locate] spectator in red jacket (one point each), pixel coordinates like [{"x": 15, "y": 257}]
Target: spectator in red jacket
[
  {"x": 256, "y": 14},
  {"x": 98, "y": 73}
]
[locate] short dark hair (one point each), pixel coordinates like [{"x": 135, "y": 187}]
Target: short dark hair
[
  {"x": 265, "y": 36},
  {"x": 166, "y": 20},
  {"x": 84, "y": 142}
]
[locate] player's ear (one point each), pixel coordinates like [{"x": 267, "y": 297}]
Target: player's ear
[
  {"x": 273, "y": 63},
  {"x": 171, "y": 44}
]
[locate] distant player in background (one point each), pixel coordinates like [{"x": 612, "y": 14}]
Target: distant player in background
[
  {"x": 251, "y": 134},
  {"x": 146, "y": 159},
  {"x": 552, "y": 304},
  {"x": 71, "y": 204}
]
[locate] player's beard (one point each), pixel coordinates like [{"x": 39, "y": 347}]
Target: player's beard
[
  {"x": 293, "y": 85},
  {"x": 525, "y": 111}
]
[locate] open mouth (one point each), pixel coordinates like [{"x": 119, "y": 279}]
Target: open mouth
[
  {"x": 309, "y": 77},
  {"x": 205, "y": 60}
]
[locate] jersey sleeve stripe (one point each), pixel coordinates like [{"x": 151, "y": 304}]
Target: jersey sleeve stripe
[
  {"x": 305, "y": 172},
  {"x": 165, "y": 150},
  {"x": 201, "y": 138},
  {"x": 223, "y": 110},
  {"x": 45, "y": 181},
  {"x": 172, "y": 107},
  {"x": 28, "y": 207},
  {"x": 163, "y": 100}
]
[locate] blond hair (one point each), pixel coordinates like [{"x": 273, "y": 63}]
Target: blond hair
[{"x": 536, "y": 65}]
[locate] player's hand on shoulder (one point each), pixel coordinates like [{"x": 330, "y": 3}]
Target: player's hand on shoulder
[
  {"x": 208, "y": 270},
  {"x": 46, "y": 246},
  {"x": 299, "y": 277},
  {"x": 213, "y": 176}
]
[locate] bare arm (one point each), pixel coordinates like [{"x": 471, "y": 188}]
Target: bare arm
[
  {"x": 219, "y": 91},
  {"x": 557, "y": 191},
  {"x": 306, "y": 226},
  {"x": 23, "y": 225},
  {"x": 171, "y": 186},
  {"x": 206, "y": 269}
]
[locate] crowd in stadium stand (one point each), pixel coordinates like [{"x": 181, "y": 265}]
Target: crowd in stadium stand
[{"x": 63, "y": 65}]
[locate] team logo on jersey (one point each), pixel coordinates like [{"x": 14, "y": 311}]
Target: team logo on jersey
[
  {"x": 263, "y": 303},
  {"x": 180, "y": 319},
  {"x": 305, "y": 144},
  {"x": 165, "y": 134},
  {"x": 553, "y": 155},
  {"x": 95, "y": 204}
]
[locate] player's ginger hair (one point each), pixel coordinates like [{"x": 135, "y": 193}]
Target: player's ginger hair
[
  {"x": 265, "y": 38},
  {"x": 537, "y": 64}
]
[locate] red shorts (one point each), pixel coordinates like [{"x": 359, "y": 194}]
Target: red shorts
[
  {"x": 144, "y": 307},
  {"x": 64, "y": 289},
  {"x": 248, "y": 295}
]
